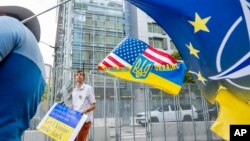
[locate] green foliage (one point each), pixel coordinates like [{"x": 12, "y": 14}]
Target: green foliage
[
  {"x": 47, "y": 92},
  {"x": 188, "y": 78},
  {"x": 176, "y": 55}
]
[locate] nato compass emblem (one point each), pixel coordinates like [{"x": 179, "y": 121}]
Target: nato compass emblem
[{"x": 241, "y": 67}]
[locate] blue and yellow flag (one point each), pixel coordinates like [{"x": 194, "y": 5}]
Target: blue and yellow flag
[
  {"x": 136, "y": 61},
  {"x": 213, "y": 38}
]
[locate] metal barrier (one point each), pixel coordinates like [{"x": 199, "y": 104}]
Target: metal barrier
[
  {"x": 32, "y": 134},
  {"x": 119, "y": 104}
]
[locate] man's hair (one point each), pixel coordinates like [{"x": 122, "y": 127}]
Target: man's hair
[{"x": 80, "y": 71}]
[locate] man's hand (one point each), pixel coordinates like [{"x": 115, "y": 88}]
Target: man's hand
[
  {"x": 70, "y": 106},
  {"x": 90, "y": 108},
  {"x": 85, "y": 111}
]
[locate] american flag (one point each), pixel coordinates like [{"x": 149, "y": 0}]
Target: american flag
[
  {"x": 129, "y": 49},
  {"x": 159, "y": 57},
  {"x": 134, "y": 60}
]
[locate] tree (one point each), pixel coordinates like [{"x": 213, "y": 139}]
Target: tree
[
  {"x": 188, "y": 78},
  {"x": 47, "y": 92}
]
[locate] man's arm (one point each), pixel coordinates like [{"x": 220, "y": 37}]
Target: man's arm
[
  {"x": 92, "y": 100},
  {"x": 90, "y": 108}
]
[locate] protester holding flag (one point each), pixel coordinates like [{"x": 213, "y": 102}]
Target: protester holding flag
[
  {"x": 22, "y": 76},
  {"x": 83, "y": 100}
]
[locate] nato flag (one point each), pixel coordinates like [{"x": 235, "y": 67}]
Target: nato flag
[{"x": 212, "y": 37}]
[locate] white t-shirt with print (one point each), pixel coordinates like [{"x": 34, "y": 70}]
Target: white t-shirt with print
[{"x": 82, "y": 97}]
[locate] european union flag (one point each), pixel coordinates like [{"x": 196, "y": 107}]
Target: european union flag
[{"x": 213, "y": 38}]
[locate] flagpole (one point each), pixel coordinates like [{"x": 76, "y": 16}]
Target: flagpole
[{"x": 30, "y": 18}]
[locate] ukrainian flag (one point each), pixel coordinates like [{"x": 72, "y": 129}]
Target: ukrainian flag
[{"x": 134, "y": 60}]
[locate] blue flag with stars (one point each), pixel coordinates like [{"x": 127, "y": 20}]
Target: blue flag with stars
[{"x": 213, "y": 38}]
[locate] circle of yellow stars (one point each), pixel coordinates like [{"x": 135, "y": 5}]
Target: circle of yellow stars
[{"x": 199, "y": 24}]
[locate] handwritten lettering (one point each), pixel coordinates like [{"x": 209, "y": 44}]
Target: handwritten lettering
[{"x": 166, "y": 67}]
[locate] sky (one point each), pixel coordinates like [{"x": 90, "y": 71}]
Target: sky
[{"x": 47, "y": 23}]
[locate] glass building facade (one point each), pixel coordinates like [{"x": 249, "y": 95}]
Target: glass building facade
[
  {"x": 92, "y": 29},
  {"x": 87, "y": 31}
]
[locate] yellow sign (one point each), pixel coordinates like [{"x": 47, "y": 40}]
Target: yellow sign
[{"x": 61, "y": 123}]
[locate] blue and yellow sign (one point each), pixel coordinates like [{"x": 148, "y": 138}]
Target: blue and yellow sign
[{"x": 62, "y": 123}]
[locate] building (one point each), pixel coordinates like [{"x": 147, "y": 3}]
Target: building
[
  {"x": 146, "y": 29},
  {"x": 87, "y": 31}
]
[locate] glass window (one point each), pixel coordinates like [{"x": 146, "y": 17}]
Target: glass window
[
  {"x": 150, "y": 27},
  {"x": 119, "y": 39},
  {"x": 173, "y": 108},
  {"x": 156, "y": 42},
  {"x": 99, "y": 21},
  {"x": 186, "y": 107},
  {"x": 111, "y": 23},
  {"x": 120, "y": 25},
  {"x": 99, "y": 38},
  {"x": 75, "y": 54},
  {"x": 172, "y": 46},
  {"x": 155, "y": 28},
  {"x": 77, "y": 36},
  {"x": 111, "y": 40},
  {"x": 78, "y": 5},
  {"x": 165, "y": 108},
  {"x": 87, "y": 55},
  {"x": 151, "y": 41},
  {"x": 88, "y": 37},
  {"x": 99, "y": 56},
  {"x": 89, "y": 21},
  {"x": 79, "y": 18}
]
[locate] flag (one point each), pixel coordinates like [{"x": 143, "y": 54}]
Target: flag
[
  {"x": 213, "y": 39},
  {"x": 136, "y": 61},
  {"x": 232, "y": 111}
]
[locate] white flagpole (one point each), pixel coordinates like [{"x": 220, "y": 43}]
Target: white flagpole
[{"x": 30, "y": 18}]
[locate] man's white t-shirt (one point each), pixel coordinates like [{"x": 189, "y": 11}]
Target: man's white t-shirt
[{"x": 82, "y": 97}]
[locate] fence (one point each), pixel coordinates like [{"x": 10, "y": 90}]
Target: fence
[{"x": 119, "y": 104}]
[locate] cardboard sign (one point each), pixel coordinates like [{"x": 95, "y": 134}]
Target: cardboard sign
[{"x": 62, "y": 123}]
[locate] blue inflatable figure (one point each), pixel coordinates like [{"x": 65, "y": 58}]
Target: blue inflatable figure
[{"x": 22, "y": 76}]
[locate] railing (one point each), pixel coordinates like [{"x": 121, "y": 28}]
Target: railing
[{"x": 117, "y": 106}]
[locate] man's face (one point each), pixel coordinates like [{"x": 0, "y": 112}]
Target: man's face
[{"x": 79, "y": 77}]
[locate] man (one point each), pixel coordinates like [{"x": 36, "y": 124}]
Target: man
[
  {"x": 22, "y": 77},
  {"x": 83, "y": 100}
]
